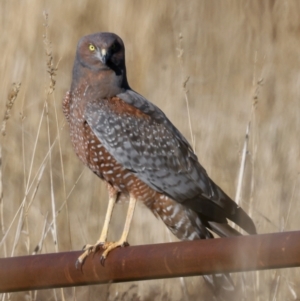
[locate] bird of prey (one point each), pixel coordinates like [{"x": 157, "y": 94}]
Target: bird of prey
[{"x": 129, "y": 143}]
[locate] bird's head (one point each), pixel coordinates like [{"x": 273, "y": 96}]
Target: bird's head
[{"x": 101, "y": 52}]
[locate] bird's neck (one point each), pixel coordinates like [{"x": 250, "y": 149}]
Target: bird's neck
[{"x": 104, "y": 83}]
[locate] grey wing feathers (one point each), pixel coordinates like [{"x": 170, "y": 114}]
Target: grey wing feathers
[{"x": 152, "y": 148}]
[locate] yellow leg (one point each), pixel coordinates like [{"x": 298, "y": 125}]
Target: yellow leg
[
  {"x": 123, "y": 240},
  {"x": 104, "y": 232},
  {"x": 102, "y": 239}
]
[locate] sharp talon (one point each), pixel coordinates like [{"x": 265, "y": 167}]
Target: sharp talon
[
  {"x": 125, "y": 244},
  {"x": 102, "y": 260},
  {"x": 88, "y": 249},
  {"x": 94, "y": 250},
  {"x": 106, "y": 246},
  {"x": 77, "y": 264}
]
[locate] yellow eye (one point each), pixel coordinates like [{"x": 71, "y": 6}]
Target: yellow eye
[{"x": 92, "y": 47}]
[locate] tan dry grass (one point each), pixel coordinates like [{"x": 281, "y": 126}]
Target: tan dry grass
[{"x": 226, "y": 44}]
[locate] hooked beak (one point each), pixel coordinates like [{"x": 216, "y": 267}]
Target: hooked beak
[{"x": 103, "y": 55}]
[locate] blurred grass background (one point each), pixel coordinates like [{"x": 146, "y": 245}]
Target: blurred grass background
[{"x": 242, "y": 60}]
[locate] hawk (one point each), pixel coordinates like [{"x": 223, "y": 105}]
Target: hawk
[{"x": 129, "y": 143}]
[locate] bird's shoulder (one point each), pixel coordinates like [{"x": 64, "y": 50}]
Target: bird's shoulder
[
  {"x": 118, "y": 106},
  {"x": 153, "y": 112}
]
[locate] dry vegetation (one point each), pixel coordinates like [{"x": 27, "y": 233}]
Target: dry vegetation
[{"x": 243, "y": 63}]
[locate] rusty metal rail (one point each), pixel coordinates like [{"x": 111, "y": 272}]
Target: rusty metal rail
[{"x": 245, "y": 253}]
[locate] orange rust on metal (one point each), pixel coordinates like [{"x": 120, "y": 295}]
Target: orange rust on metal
[{"x": 235, "y": 254}]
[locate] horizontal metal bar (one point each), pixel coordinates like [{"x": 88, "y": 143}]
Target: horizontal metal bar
[{"x": 235, "y": 254}]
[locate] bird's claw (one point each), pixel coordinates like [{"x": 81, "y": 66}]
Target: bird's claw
[
  {"x": 106, "y": 246},
  {"x": 109, "y": 246},
  {"x": 78, "y": 264},
  {"x": 88, "y": 249}
]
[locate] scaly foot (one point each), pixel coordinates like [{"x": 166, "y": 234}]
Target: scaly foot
[
  {"x": 107, "y": 246},
  {"x": 88, "y": 249}
]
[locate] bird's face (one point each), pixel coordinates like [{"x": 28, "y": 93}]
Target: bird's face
[
  {"x": 100, "y": 64},
  {"x": 102, "y": 51}
]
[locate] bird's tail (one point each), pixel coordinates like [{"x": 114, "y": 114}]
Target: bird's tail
[
  {"x": 214, "y": 213},
  {"x": 217, "y": 208},
  {"x": 232, "y": 211}
]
